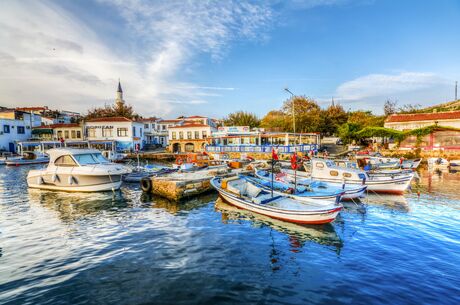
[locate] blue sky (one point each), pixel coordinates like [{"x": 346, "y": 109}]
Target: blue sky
[{"x": 216, "y": 57}]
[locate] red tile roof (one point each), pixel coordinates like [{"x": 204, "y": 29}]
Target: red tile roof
[
  {"x": 190, "y": 126},
  {"x": 170, "y": 121},
  {"x": 110, "y": 119},
  {"x": 196, "y": 117},
  {"x": 451, "y": 115},
  {"x": 60, "y": 125},
  {"x": 148, "y": 119}
]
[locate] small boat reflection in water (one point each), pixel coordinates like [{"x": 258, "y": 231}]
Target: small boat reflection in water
[{"x": 324, "y": 234}]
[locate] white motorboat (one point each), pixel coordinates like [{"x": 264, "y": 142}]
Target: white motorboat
[
  {"x": 327, "y": 170},
  {"x": 77, "y": 170},
  {"x": 245, "y": 195},
  {"x": 28, "y": 157}
]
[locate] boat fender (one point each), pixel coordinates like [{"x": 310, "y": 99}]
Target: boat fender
[
  {"x": 72, "y": 180},
  {"x": 40, "y": 181},
  {"x": 146, "y": 184},
  {"x": 55, "y": 178}
]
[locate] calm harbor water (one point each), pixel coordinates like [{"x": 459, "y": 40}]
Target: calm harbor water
[{"x": 131, "y": 248}]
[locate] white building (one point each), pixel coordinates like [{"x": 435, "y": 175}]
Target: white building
[
  {"x": 127, "y": 134},
  {"x": 154, "y": 132},
  {"x": 16, "y": 126},
  {"x": 404, "y": 122}
]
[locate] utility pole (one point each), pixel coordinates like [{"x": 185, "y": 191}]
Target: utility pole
[
  {"x": 456, "y": 83},
  {"x": 293, "y": 108}
]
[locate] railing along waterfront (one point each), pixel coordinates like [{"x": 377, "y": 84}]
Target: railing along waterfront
[{"x": 261, "y": 148}]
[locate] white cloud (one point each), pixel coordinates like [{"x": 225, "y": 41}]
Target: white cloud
[
  {"x": 50, "y": 57},
  {"x": 406, "y": 87}
]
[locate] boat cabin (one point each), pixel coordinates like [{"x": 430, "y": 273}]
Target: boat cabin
[
  {"x": 198, "y": 159},
  {"x": 327, "y": 170},
  {"x": 71, "y": 157}
]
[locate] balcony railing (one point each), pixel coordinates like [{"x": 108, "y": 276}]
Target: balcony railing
[{"x": 282, "y": 149}]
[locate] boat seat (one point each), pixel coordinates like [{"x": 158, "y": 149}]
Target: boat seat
[{"x": 265, "y": 198}]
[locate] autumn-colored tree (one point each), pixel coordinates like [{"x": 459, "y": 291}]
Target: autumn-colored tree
[
  {"x": 275, "y": 120},
  {"x": 331, "y": 118},
  {"x": 307, "y": 114},
  {"x": 242, "y": 118},
  {"x": 117, "y": 110}
]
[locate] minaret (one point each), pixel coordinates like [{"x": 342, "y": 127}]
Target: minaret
[{"x": 119, "y": 102}]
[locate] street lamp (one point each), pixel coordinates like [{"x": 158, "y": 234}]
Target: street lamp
[{"x": 293, "y": 112}]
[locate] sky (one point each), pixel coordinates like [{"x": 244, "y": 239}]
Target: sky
[{"x": 216, "y": 57}]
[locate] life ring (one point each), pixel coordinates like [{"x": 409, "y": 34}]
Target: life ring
[
  {"x": 146, "y": 184},
  {"x": 179, "y": 161}
]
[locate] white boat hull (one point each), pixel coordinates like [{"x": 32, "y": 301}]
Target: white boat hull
[
  {"x": 303, "y": 217},
  {"x": 84, "y": 188}
]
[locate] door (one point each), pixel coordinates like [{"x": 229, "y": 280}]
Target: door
[{"x": 12, "y": 148}]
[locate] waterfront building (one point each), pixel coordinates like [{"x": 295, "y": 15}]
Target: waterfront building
[
  {"x": 242, "y": 139},
  {"x": 126, "y": 133},
  {"x": 441, "y": 139},
  {"x": 57, "y": 132},
  {"x": 16, "y": 126},
  {"x": 155, "y": 133},
  {"x": 189, "y": 136},
  {"x": 49, "y": 117},
  {"x": 411, "y": 121}
]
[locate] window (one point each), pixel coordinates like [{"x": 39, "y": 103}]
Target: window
[
  {"x": 181, "y": 135},
  {"x": 91, "y": 133},
  {"x": 122, "y": 132},
  {"x": 101, "y": 158},
  {"x": 59, "y": 134},
  {"x": 6, "y": 128},
  {"x": 204, "y": 133},
  {"x": 197, "y": 134},
  {"x": 78, "y": 134},
  {"x": 73, "y": 134},
  {"x": 106, "y": 132},
  {"x": 347, "y": 175},
  {"x": 189, "y": 135},
  {"x": 163, "y": 127},
  {"x": 334, "y": 173},
  {"x": 319, "y": 165},
  {"x": 85, "y": 159},
  {"x": 146, "y": 126},
  {"x": 173, "y": 135},
  {"x": 66, "y": 134},
  {"x": 134, "y": 131},
  {"x": 21, "y": 130},
  {"x": 65, "y": 161},
  {"x": 140, "y": 132}
]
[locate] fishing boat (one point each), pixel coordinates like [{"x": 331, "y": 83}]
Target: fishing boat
[
  {"x": 147, "y": 171},
  {"x": 328, "y": 171},
  {"x": 387, "y": 163},
  {"x": 314, "y": 195},
  {"x": 242, "y": 194},
  {"x": 8, "y": 156},
  {"x": 349, "y": 192},
  {"x": 77, "y": 170},
  {"x": 197, "y": 161},
  {"x": 29, "y": 157}
]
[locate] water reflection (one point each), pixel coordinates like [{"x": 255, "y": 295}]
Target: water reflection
[
  {"x": 72, "y": 206},
  {"x": 391, "y": 202},
  {"x": 172, "y": 207},
  {"x": 298, "y": 234}
]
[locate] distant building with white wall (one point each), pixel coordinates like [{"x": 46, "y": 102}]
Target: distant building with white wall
[
  {"x": 16, "y": 126},
  {"x": 128, "y": 134}
]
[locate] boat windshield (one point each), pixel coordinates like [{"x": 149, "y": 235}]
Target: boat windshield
[
  {"x": 85, "y": 159},
  {"x": 101, "y": 158}
]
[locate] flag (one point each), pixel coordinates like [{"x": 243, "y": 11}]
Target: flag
[
  {"x": 274, "y": 154},
  {"x": 294, "y": 161}
]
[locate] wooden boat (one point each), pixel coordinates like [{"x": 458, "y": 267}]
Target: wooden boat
[
  {"x": 244, "y": 195},
  {"x": 8, "y": 156},
  {"x": 27, "y": 158},
  {"x": 326, "y": 170},
  {"x": 349, "y": 192}
]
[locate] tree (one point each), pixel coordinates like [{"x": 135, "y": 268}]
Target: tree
[
  {"x": 307, "y": 114},
  {"x": 331, "y": 118},
  {"x": 242, "y": 118},
  {"x": 410, "y": 108},
  {"x": 389, "y": 107},
  {"x": 117, "y": 110},
  {"x": 275, "y": 120}
]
